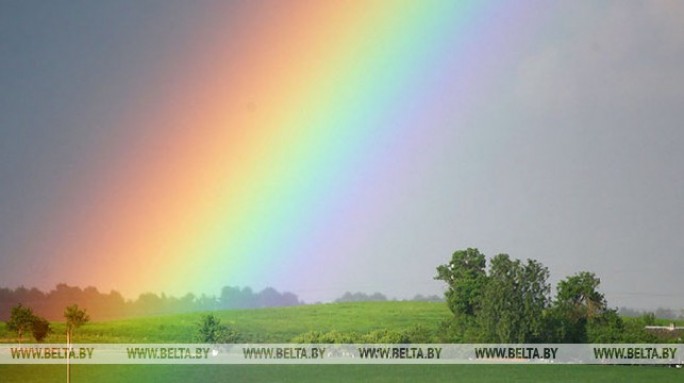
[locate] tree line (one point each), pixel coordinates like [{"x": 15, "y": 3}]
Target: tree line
[
  {"x": 23, "y": 321},
  {"x": 112, "y": 305},
  {"x": 661, "y": 312},
  {"x": 510, "y": 302},
  {"x": 379, "y": 297}
]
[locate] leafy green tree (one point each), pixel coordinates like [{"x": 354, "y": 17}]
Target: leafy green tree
[
  {"x": 536, "y": 292},
  {"x": 510, "y": 303},
  {"x": 577, "y": 301},
  {"x": 500, "y": 315},
  {"x": 514, "y": 301},
  {"x": 505, "y": 305},
  {"x": 21, "y": 320},
  {"x": 579, "y": 292},
  {"x": 466, "y": 278},
  {"x": 75, "y": 318}
]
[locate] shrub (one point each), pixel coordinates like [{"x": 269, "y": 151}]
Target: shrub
[
  {"x": 336, "y": 337},
  {"x": 211, "y": 330},
  {"x": 385, "y": 336},
  {"x": 419, "y": 334},
  {"x": 40, "y": 329}
]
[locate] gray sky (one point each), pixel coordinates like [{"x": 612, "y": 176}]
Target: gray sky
[{"x": 575, "y": 160}]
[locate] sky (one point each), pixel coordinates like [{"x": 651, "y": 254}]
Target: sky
[{"x": 324, "y": 147}]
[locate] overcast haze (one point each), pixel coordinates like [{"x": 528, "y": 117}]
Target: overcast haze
[{"x": 576, "y": 160}]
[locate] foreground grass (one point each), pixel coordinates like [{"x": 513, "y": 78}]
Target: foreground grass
[{"x": 346, "y": 373}]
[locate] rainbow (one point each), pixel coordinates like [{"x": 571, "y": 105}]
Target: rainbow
[{"x": 268, "y": 143}]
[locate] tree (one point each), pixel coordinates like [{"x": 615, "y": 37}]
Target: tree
[
  {"x": 466, "y": 278},
  {"x": 501, "y": 308},
  {"x": 536, "y": 292},
  {"x": 75, "y": 318},
  {"x": 361, "y": 297},
  {"x": 580, "y": 293},
  {"x": 577, "y": 301},
  {"x": 21, "y": 320},
  {"x": 510, "y": 303},
  {"x": 514, "y": 300}
]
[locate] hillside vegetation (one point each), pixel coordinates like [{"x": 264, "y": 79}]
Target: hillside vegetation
[
  {"x": 276, "y": 325},
  {"x": 271, "y": 325}
]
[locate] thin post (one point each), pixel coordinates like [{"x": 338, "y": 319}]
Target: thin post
[{"x": 68, "y": 375}]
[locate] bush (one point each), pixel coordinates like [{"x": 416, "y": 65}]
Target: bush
[
  {"x": 419, "y": 334},
  {"x": 607, "y": 327},
  {"x": 336, "y": 337},
  {"x": 649, "y": 319},
  {"x": 635, "y": 331},
  {"x": 40, "y": 329},
  {"x": 311, "y": 337},
  {"x": 385, "y": 336},
  {"x": 416, "y": 334},
  {"x": 212, "y": 331}
]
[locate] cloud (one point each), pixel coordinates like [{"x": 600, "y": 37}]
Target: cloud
[{"x": 624, "y": 56}]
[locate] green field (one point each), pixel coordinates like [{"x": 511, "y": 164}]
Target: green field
[
  {"x": 280, "y": 325},
  {"x": 273, "y": 325},
  {"x": 347, "y": 373}
]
